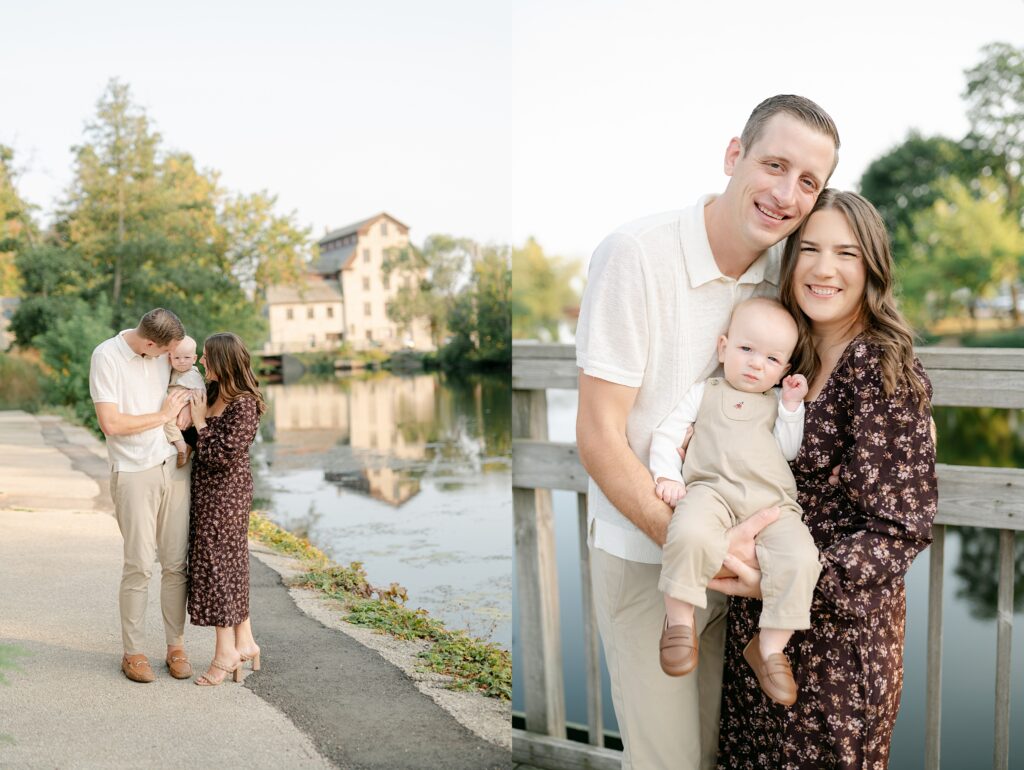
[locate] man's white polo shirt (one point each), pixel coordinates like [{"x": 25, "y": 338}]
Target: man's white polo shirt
[
  {"x": 136, "y": 385},
  {"x": 654, "y": 307}
]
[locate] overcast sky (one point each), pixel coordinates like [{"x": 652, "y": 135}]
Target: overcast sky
[{"x": 490, "y": 120}]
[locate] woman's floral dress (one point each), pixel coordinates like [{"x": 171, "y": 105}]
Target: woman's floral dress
[
  {"x": 849, "y": 665},
  {"x": 218, "y": 548}
]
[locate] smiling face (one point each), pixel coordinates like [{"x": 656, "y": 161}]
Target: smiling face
[
  {"x": 830, "y": 275},
  {"x": 775, "y": 182},
  {"x": 755, "y": 352}
]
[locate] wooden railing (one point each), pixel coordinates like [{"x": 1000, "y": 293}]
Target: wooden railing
[{"x": 968, "y": 496}]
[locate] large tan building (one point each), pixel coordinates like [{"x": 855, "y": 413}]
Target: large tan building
[{"x": 345, "y": 297}]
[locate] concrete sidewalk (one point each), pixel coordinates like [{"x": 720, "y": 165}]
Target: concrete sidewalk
[{"x": 69, "y": 705}]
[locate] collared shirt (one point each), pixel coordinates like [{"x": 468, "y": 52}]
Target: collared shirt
[
  {"x": 136, "y": 385},
  {"x": 654, "y": 307}
]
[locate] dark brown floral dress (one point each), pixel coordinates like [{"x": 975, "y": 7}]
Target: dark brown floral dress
[
  {"x": 218, "y": 551},
  {"x": 849, "y": 665}
]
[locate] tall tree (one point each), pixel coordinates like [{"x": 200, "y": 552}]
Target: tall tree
[
  {"x": 430, "y": 281},
  {"x": 17, "y": 229},
  {"x": 995, "y": 107},
  {"x": 542, "y": 292},
  {"x": 262, "y": 246}
]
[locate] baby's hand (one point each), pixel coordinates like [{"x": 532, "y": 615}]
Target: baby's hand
[
  {"x": 794, "y": 389},
  {"x": 670, "y": 491}
]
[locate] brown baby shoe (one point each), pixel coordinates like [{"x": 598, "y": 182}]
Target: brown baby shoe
[
  {"x": 773, "y": 674},
  {"x": 678, "y": 649}
]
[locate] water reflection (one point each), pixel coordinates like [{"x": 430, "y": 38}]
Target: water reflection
[
  {"x": 409, "y": 474},
  {"x": 992, "y": 438}
]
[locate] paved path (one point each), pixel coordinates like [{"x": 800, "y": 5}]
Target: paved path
[{"x": 323, "y": 700}]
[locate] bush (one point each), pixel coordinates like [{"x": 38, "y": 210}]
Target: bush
[{"x": 22, "y": 382}]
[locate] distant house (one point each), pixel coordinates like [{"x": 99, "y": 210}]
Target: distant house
[
  {"x": 7, "y": 307},
  {"x": 346, "y": 294}
]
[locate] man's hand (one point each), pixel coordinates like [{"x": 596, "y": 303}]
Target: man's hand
[
  {"x": 741, "y": 540},
  {"x": 175, "y": 400},
  {"x": 686, "y": 442},
  {"x": 794, "y": 390},
  {"x": 747, "y": 580},
  {"x": 670, "y": 491}
]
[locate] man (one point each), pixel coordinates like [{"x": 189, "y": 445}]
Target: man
[
  {"x": 660, "y": 292},
  {"x": 128, "y": 380}
]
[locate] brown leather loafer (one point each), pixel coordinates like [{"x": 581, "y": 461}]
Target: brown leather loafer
[
  {"x": 178, "y": 665},
  {"x": 773, "y": 674},
  {"x": 137, "y": 668},
  {"x": 678, "y": 649}
]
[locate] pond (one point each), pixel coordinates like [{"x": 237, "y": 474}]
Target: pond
[
  {"x": 408, "y": 474},
  {"x": 991, "y": 437}
]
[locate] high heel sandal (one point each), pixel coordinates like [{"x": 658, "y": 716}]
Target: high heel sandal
[
  {"x": 204, "y": 681},
  {"x": 254, "y": 659}
]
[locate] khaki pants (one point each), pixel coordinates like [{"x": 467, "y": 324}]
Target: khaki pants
[
  {"x": 151, "y": 508},
  {"x": 667, "y": 723},
  {"x": 697, "y": 542}
]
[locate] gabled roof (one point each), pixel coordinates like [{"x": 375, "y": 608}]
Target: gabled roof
[{"x": 361, "y": 227}]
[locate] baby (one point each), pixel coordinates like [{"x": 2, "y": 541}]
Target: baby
[
  {"x": 736, "y": 465},
  {"x": 184, "y": 376}
]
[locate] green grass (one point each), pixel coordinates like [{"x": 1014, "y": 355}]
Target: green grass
[{"x": 473, "y": 664}]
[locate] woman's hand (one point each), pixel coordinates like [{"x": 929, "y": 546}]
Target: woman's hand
[
  {"x": 199, "y": 408},
  {"x": 747, "y": 582}
]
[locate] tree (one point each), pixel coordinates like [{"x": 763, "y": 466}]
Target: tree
[
  {"x": 146, "y": 226},
  {"x": 542, "y": 292},
  {"x": 17, "y": 230},
  {"x": 262, "y": 247},
  {"x": 995, "y": 99},
  {"x": 910, "y": 177},
  {"x": 961, "y": 242},
  {"x": 431, "y": 277}
]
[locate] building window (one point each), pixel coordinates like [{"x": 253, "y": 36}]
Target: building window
[
  {"x": 366, "y": 255},
  {"x": 383, "y": 228},
  {"x": 330, "y": 312},
  {"x": 309, "y": 312},
  {"x": 289, "y": 314},
  {"x": 387, "y": 282},
  {"x": 366, "y": 308},
  {"x": 369, "y": 334},
  {"x": 366, "y": 283}
]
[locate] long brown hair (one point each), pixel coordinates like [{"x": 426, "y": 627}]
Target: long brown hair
[
  {"x": 228, "y": 359},
  {"x": 882, "y": 321}
]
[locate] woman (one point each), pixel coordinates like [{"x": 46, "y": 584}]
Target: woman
[
  {"x": 868, "y": 412},
  {"x": 225, "y": 418}
]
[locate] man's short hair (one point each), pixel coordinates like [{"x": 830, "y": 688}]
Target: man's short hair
[
  {"x": 800, "y": 107},
  {"x": 161, "y": 327}
]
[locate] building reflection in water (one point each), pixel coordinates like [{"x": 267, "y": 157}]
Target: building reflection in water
[{"x": 372, "y": 431}]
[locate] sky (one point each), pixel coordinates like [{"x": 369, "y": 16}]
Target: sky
[{"x": 495, "y": 121}]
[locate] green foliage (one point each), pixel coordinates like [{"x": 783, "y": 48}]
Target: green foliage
[
  {"x": 910, "y": 177},
  {"x": 542, "y": 292},
  {"x": 473, "y": 663},
  {"x": 962, "y": 246},
  {"x": 479, "y": 321},
  {"x": 263, "y": 248},
  {"x": 17, "y": 230},
  {"x": 429, "y": 280},
  {"x": 21, "y": 383},
  {"x": 66, "y": 348},
  {"x": 995, "y": 99},
  {"x": 265, "y": 531}
]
